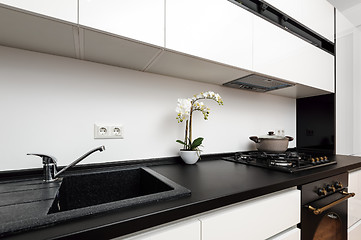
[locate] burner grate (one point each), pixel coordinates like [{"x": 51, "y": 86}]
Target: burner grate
[{"x": 289, "y": 161}]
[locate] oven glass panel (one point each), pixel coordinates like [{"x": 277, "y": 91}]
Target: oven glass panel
[{"x": 329, "y": 228}]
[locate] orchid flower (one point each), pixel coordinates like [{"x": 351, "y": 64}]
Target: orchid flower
[{"x": 185, "y": 109}]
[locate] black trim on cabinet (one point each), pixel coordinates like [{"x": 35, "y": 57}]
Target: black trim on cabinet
[{"x": 287, "y": 23}]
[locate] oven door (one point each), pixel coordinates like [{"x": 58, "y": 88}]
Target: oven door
[{"x": 326, "y": 218}]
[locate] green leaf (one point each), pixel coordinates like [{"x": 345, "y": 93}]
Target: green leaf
[
  {"x": 196, "y": 143},
  {"x": 181, "y": 142}
]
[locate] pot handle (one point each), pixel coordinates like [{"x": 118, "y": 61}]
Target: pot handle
[
  {"x": 254, "y": 139},
  {"x": 289, "y": 138}
]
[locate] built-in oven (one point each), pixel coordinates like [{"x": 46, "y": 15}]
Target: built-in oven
[{"x": 324, "y": 209}]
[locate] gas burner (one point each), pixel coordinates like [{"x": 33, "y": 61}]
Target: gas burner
[{"x": 289, "y": 161}]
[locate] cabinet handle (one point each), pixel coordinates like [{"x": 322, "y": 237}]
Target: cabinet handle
[{"x": 318, "y": 211}]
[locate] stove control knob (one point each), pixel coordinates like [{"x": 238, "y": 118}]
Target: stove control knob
[
  {"x": 330, "y": 188},
  {"x": 338, "y": 185},
  {"x": 322, "y": 192}
]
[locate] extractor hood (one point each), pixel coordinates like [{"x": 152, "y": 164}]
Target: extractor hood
[{"x": 257, "y": 83}]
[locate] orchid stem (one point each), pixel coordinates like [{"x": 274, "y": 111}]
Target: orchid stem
[
  {"x": 190, "y": 125},
  {"x": 186, "y": 136}
]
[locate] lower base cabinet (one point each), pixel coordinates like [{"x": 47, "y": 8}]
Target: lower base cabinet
[
  {"x": 259, "y": 218},
  {"x": 291, "y": 234},
  {"x": 354, "y": 232},
  {"x": 354, "y": 205},
  {"x": 273, "y": 216},
  {"x": 184, "y": 230}
]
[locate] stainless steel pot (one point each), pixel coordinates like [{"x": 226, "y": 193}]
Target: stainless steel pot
[{"x": 271, "y": 142}]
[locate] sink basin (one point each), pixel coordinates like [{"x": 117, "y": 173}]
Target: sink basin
[{"x": 114, "y": 189}]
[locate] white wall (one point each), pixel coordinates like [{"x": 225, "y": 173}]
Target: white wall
[{"x": 49, "y": 104}]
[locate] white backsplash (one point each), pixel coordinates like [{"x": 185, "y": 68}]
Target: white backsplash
[{"x": 49, "y": 104}]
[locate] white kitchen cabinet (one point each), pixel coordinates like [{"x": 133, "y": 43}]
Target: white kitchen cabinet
[
  {"x": 291, "y": 234},
  {"x": 30, "y": 32},
  {"x": 273, "y": 216},
  {"x": 354, "y": 204},
  {"x": 217, "y": 30},
  {"x": 345, "y": 104},
  {"x": 318, "y": 15},
  {"x": 187, "y": 230},
  {"x": 259, "y": 218},
  {"x": 354, "y": 232},
  {"x": 62, "y": 9},
  {"x": 141, "y": 20},
  {"x": 281, "y": 54}
]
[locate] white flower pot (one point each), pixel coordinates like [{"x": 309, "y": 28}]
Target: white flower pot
[{"x": 189, "y": 157}]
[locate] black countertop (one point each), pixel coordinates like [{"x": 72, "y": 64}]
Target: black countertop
[{"x": 214, "y": 183}]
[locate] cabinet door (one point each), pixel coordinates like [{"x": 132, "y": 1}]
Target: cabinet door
[
  {"x": 319, "y": 17},
  {"x": 62, "y": 9},
  {"x": 354, "y": 204},
  {"x": 187, "y": 230},
  {"x": 260, "y": 218},
  {"x": 293, "y": 234},
  {"x": 212, "y": 29},
  {"x": 141, "y": 20},
  {"x": 281, "y": 54},
  {"x": 354, "y": 232}
]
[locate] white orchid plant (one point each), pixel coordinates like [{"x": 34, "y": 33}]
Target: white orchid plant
[{"x": 185, "y": 109}]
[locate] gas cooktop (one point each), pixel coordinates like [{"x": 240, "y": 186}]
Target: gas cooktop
[{"x": 289, "y": 161}]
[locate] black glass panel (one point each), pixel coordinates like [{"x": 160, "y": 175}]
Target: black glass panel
[{"x": 316, "y": 123}]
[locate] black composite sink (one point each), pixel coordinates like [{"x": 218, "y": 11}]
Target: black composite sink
[{"x": 115, "y": 189}]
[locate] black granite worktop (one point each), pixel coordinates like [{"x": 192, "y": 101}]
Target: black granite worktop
[{"x": 25, "y": 201}]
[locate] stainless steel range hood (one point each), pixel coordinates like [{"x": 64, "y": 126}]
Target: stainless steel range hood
[{"x": 257, "y": 83}]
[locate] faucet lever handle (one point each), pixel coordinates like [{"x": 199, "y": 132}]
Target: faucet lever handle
[{"x": 47, "y": 159}]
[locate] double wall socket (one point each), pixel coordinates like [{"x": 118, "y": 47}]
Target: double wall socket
[
  {"x": 108, "y": 131},
  {"x": 280, "y": 132}
]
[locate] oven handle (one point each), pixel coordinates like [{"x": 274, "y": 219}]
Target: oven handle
[{"x": 317, "y": 211}]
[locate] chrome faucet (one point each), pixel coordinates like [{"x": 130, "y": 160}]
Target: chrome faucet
[{"x": 50, "y": 164}]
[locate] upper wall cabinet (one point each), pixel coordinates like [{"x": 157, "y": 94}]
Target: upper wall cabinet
[
  {"x": 318, "y": 15},
  {"x": 278, "y": 53},
  {"x": 142, "y": 20},
  {"x": 217, "y": 30},
  {"x": 62, "y": 9}
]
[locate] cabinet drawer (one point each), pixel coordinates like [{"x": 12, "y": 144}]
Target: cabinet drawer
[
  {"x": 255, "y": 219},
  {"x": 189, "y": 230}
]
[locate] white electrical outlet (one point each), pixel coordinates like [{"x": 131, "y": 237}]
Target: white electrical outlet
[
  {"x": 280, "y": 132},
  {"x": 116, "y": 131},
  {"x": 107, "y": 131}
]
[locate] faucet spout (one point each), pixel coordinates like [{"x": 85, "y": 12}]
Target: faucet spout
[{"x": 100, "y": 149}]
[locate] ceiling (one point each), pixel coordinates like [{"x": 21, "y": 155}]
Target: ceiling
[{"x": 351, "y": 9}]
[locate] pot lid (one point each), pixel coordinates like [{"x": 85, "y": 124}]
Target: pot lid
[{"x": 271, "y": 135}]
